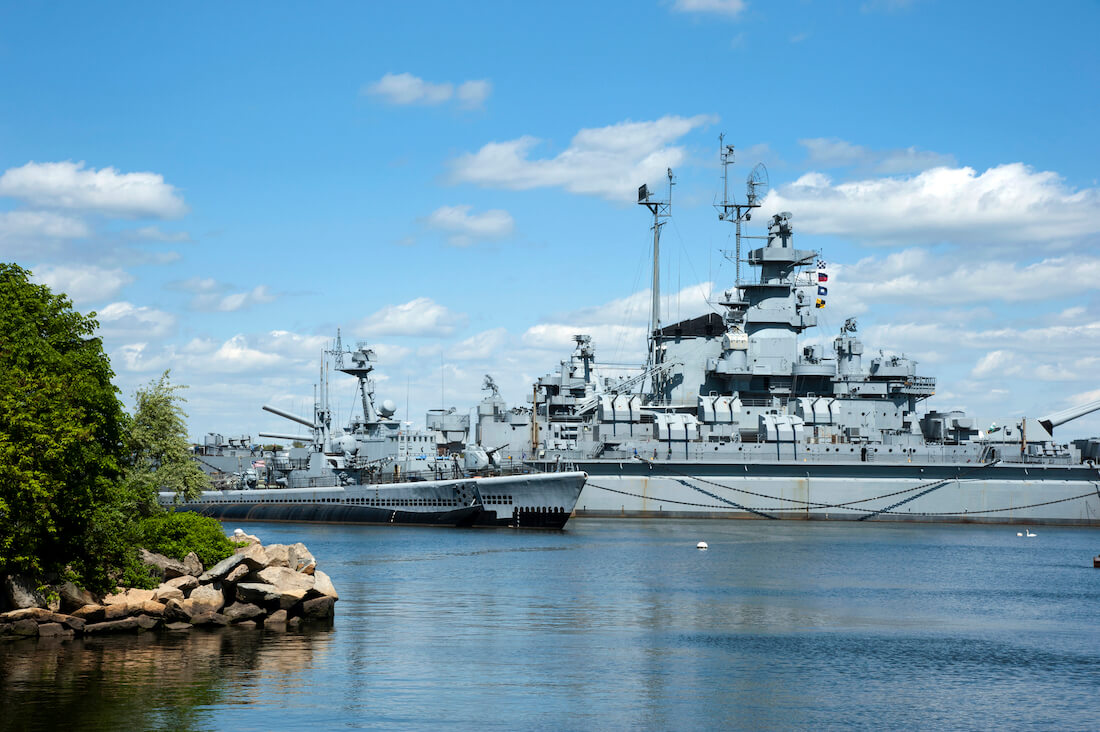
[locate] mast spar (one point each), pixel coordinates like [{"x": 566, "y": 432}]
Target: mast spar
[{"x": 660, "y": 210}]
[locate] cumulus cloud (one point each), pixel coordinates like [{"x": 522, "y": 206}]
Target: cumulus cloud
[
  {"x": 210, "y": 295},
  {"x": 1006, "y": 204},
  {"x": 126, "y": 321},
  {"x": 465, "y": 228},
  {"x": 479, "y": 346},
  {"x": 917, "y": 274},
  {"x": 83, "y": 283},
  {"x": 405, "y": 89},
  {"x": 835, "y": 153},
  {"x": 728, "y": 8},
  {"x": 152, "y": 233},
  {"x": 610, "y": 162},
  {"x": 105, "y": 191},
  {"x": 34, "y": 225},
  {"x": 419, "y": 317}
]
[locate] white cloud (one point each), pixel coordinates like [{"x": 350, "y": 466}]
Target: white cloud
[
  {"x": 610, "y": 162},
  {"x": 465, "y": 227},
  {"x": 919, "y": 275},
  {"x": 235, "y": 355},
  {"x": 82, "y": 283},
  {"x": 832, "y": 152},
  {"x": 1006, "y": 204},
  {"x": 728, "y": 8},
  {"x": 105, "y": 191},
  {"x": 15, "y": 225},
  {"x": 405, "y": 89},
  {"x": 133, "y": 357},
  {"x": 123, "y": 321},
  {"x": 420, "y": 317},
  {"x": 479, "y": 346},
  {"x": 211, "y": 295},
  {"x": 152, "y": 233}
]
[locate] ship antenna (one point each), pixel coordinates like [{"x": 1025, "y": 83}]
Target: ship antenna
[
  {"x": 756, "y": 185},
  {"x": 660, "y": 210}
]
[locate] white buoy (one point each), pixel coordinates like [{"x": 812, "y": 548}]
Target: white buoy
[
  {"x": 1019, "y": 533},
  {"x": 701, "y": 545}
]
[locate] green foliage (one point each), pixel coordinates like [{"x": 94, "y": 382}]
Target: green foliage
[
  {"x": 61, "y": 434},
  {"x": 158, "y": 453},
  {"x": 176, "y": 533}
]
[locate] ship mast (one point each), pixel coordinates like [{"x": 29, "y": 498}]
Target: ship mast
[
  {"x": 756, "y": 185},
  {"x": 660, "y": 210}
]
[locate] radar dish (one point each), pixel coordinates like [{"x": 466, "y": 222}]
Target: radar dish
[{"x": 757, "y": 183}]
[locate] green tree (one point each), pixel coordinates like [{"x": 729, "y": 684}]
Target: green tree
[
  {"x": 158, "y": 453},
  {"x": 61, "y": 438}
]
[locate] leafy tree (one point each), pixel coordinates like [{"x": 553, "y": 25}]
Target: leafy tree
[
  {"x": 158, "y": 453},
  {"x": 61, "y": 435},
  {"x": 176, "y": 533}
]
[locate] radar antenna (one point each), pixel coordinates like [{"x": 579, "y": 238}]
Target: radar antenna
[{"x": 756, "y": 186}]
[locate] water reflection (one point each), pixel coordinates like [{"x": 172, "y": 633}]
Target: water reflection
[{"x": 150, "y": 680}]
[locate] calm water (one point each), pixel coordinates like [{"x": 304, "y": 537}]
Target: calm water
[{"x": 622, "y": 624}]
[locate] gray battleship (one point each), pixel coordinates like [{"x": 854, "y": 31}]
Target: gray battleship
[
  {"x": 730, "y": 417},
  {"x": 376, "y": 471}
]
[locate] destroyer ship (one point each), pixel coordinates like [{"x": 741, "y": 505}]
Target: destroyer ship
[
  {"x": 730, "y": 417},
  {"x": 375, "y": 471}
]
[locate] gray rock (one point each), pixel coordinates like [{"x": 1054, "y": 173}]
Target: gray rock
[
  {"x": 294, "y": 622},
  {"x": 21, "y": 592},
  {"x": 318, "y": 608},
  {"x": 73, "y": 597},
  {"x": 278, "y": 555},
  {"x": 176, "y": 612},
  {"x": 246, "y": 624},
  {"x": 258, "y": 593},
  {"x": 6, "y": 629},
  {"x": 285, "y": 578},
  {"x": 290, "y": 598},
  {"x": 90, "y": 613},
  {"x": 209, "y": 619},
  {"x": 177, "y": 626},
  {"x": 276, "y": 618},
  {"x": 221, "y": 569},
  {"x": 206, "y": 599},
  {"x": 301, "y": 559},
  {"x": 162, "y": 566},
  {"x": 147, "y": 622},
  {"x": 46, "y": 630},
  {"x": 26, "y": 627},
  {"x": 239, "y": 612},
  {"x": 184, "y": 584},
  {"x": 239, "y": 573},
  {"x": 254, "y": 556},
  {"x": 192, "y": 564},
  {"x": 167, "y": 592},
  {"x": 322, "y": 585},
  {"x": 112, "y": 626}
]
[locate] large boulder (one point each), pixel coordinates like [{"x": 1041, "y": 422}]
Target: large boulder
[
  {"x": 175, "y": 611},
  {"x": 221, "y": 569},
  {"x": 239, "y": 573},
  {"x": 206, "y": 598},
  {"x": 184, "y": 584},
  {"x": 285, "y": 578},
  {"x": 26, "y": 627},
  {"x": 209, "y": 619},
  {"x": 167, "y": 592},
  {"x": 162, "y": 566},
  {"x": 257, "y": 593},
  {"x": 278, "y": 555},
  {"x": 300, "y": 559},
  {"x": 73, "y": 597},
  {"x": 323, "y": 586},
  {"x": 240, "y": 536},
  {"x": 47, "y": 630},
  {"x": 239, "y": 612},
  {"x": 192, "y": 564},
  {"x": 112, "y": 626},
  {"x": 19, "y": 592},
  {"x": 42, "y": 616},
  {"x": 319, "y": 608},
  {"x": 152, "y": 608},
  {"x": 147, "y": 622},
  {"x": 132, "y": 596}
]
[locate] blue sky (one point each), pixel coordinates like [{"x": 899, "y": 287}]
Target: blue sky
[{"x": 227, "y": 184}]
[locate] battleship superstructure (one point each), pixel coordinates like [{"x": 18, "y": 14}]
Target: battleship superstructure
[
  {"x": 731, "y": 417},
  {"x": 377, "y": 471}
]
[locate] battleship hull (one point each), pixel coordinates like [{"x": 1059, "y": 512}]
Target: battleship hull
[
  {"x": 933, "y": 493},
  {"x": 543, "y": 501}
]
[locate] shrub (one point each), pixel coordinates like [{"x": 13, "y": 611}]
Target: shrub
[{"x": 176, "y": 533}]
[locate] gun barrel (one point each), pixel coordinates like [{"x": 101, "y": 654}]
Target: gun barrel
[
  {"x": 1053, "y": 420},
  {"x": 295, "y": 438},
  {"x": 292, "y": 417}
]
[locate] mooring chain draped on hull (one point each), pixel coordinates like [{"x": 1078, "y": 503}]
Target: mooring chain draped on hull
[{"x": 925, "y": 488}]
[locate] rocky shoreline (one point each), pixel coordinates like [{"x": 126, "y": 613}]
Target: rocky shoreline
[{"x": 274, "y": 587}]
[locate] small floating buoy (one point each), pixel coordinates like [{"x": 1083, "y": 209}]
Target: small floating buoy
[
  {"x": 701, "y": 545},
  {"x": 1019, "y": 533}
]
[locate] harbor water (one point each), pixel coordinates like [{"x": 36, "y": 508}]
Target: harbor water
[{"x": 616, "y": 624}]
